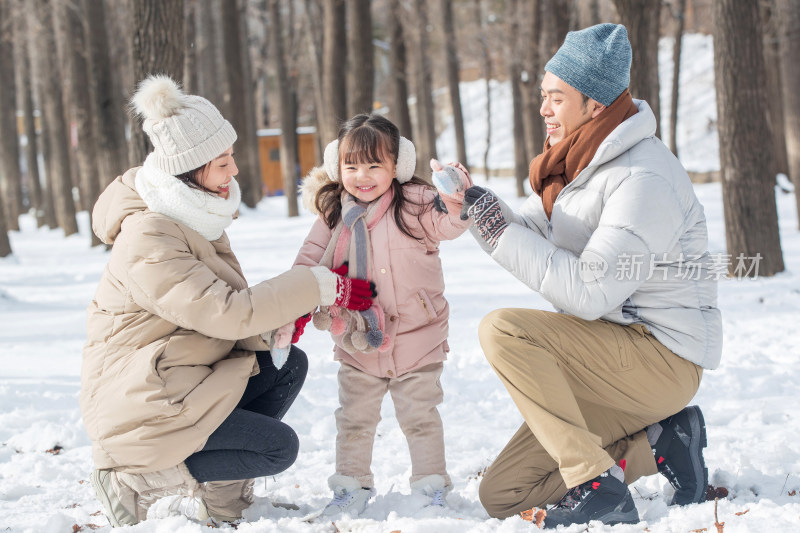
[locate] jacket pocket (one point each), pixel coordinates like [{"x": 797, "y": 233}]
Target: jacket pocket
[{"x": 428, "y": 311}]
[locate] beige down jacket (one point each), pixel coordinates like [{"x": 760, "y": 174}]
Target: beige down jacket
[{"x": 171, "y": 333}]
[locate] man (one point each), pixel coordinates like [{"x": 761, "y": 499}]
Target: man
[{"x": 616, "y": 240}]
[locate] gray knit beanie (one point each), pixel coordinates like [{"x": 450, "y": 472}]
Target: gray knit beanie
[
  {"x": 186, "y": 131},
  {"x": 596, "y": 61}
]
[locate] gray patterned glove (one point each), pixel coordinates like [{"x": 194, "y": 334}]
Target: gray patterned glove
[{"x": 482, "y": 206}]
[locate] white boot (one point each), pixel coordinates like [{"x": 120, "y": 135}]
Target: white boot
[
  {"x": 349, "y": 497},
  {"x": 126, "y": 497},
  {"x": 434, "y": 488}
]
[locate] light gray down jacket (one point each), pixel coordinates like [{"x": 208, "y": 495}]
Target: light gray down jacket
[{"x": 626, "y": 242}]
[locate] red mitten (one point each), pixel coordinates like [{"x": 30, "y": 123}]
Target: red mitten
[
  {"x": 355, "y": 294},
  {"x": 299, "y": 326}
]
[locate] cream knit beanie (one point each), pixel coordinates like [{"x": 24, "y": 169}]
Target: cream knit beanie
[{"x": 186, "y": 131}]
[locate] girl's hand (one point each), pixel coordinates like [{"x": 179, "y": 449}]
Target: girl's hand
[
  {"x": 300, "y": 326},
  {"x": 450, "y": 180}
]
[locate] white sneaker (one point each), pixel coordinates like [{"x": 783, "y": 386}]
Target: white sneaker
[
  {"x": 433, "y": 488},
  {"x": 437, "y": 498},
  {"x": 349, "y": 497}
]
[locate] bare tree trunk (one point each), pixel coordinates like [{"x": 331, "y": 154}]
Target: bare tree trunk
[
  {"x": 361, "y": 69},
  {"x": 334, "y": 62},
  {"x": 157, "y": 49},
  {"x": 71, "y": 34},
  {"x": 584, "y": 13},
  {"x": 120, "y": 51},
  {"x": 312, "y": 13},
  {"x": 48, "y": 77},
  {"x": 48, "y": 196},
  {"x": 789, "y": 12},
  {"x": 554, "y": 25},
  {"x": 25, "y": 96},
  {"x": 10, "y": 172},
  {"x": 514, "y": 71},
  {"x": 288, "y": 110},
  {"x": 748, "y": 195},
  {"x": 679, "y": 14},
  {"x": 190, "y": 83},
  {"x": 398, "y": 71},
  {"x": 258, "y": 53},
  {"x": 530, "y": 28},
  {"x": 5, "y": 243},
  {"x": 242, "y": 104},
  {"x": 109, "y": 109},
  {"x": 643, "y": 20},
  {"x": 486, "y": 74},
  {"x": 426, "y": 130},
  {"x": 770, "y": 22},
  {"x": 452, "y": 67},
  {"x": 212, "y": 73}
]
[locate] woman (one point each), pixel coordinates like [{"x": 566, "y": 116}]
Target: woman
[{"x": 179, "y": 393}]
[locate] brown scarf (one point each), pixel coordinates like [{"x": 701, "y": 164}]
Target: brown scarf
[{"x": 558, "y": 165}]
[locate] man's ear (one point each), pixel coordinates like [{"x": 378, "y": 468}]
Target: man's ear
[{"x": 597, "y": 108}]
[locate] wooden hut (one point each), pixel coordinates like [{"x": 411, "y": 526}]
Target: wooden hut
[{"x": 269, "y": 149}]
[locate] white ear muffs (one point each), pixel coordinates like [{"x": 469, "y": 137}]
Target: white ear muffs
[
  {"x": 330, "y": 160},
  {"x": 406, "y": 160}
]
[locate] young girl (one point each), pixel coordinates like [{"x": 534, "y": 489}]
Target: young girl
[{"x": 379, "y": 222}]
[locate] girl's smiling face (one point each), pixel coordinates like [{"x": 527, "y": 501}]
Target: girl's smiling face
[{"x": 367, "y": 179}]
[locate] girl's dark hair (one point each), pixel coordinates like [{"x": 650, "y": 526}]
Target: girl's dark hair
[{"x": 368, "y": 139}]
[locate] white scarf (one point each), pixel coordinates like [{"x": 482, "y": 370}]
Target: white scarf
[{"x": 206, "y": 213}]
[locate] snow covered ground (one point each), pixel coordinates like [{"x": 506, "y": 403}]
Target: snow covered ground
[{"x": 750, "y": 402}]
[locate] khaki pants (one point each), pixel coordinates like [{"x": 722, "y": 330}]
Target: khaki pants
[
  {"x": 415, "y": 396},
  {"x": 586, "y": 390}
]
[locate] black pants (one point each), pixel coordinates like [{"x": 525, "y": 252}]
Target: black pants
[{"x": 252, "y": 441}]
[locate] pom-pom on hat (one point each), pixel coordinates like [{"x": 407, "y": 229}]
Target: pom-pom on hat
[
  {"x": 596, "y": 61},
  {"x": 186, "y": 131}
]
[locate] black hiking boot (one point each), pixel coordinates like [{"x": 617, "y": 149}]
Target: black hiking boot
[
  {"x": 604, "y": 498},
  {"x": 679, "y": 455}
]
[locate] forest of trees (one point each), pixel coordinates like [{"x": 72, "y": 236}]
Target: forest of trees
[{"x": 69, "y": 67}]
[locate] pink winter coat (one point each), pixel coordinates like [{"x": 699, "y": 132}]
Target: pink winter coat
[{"x": 409, "y": 281}]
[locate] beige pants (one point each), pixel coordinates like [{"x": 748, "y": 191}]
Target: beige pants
[
  {"x": 415, "y": 396},
  {"x": 586, "y": 390}
]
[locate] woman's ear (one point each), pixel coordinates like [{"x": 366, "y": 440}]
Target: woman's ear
[
  {"x": 406, "y": 160},
  {"x": 330, "y": 160}
]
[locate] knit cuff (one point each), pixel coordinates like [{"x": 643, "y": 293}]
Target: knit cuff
[{"x": 327, "y": 284}]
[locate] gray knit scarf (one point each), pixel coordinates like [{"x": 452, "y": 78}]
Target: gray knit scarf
[{"x": 362, "y": 331}]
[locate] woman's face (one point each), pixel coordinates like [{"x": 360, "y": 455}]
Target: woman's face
[
  {"x": 216, "y": 175},
  {"x": 368, "y": 181}
]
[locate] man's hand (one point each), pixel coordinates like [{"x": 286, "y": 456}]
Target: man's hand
[{"x": 483, "y": 207}]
